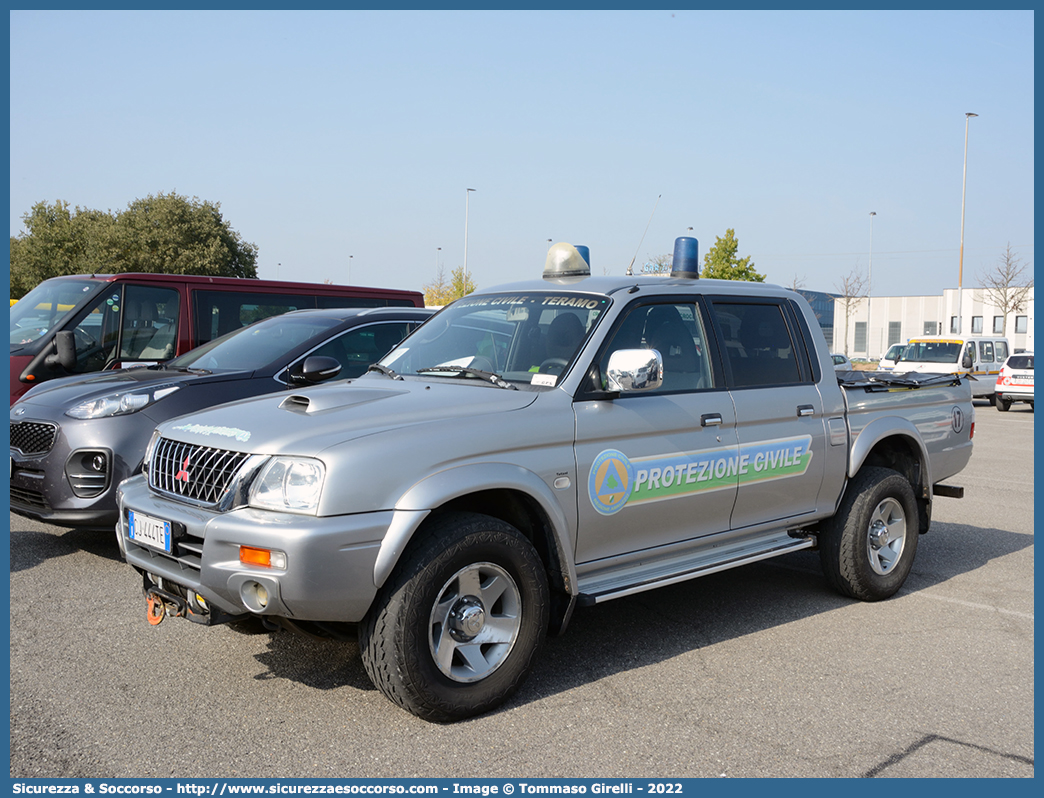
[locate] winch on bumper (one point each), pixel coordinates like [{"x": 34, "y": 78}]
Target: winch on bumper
[{"x": 319, "y": 569}]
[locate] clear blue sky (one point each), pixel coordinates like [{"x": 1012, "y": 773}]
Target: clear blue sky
[{"x": 329, "y": 134}]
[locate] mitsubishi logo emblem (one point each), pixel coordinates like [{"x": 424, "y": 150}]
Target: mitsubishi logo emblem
[{"x": 183, "y": 474}]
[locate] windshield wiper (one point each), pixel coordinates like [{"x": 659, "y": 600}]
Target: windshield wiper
[
  {"x": 488, "y": 376},
  {"x": 387, "y": 372}
]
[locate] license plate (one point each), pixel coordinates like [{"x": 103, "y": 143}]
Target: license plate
[{"x": 150, "y": 531}]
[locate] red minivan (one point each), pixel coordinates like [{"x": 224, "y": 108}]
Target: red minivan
[{"x": 83, "y": 323}]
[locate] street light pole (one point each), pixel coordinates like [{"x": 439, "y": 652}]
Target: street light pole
[
  {"x": 467, "y": 199},
  {"x": 869, "y": 284},
  {"x": 350, "y": 269},
  {"x": 964, "y": 186}
]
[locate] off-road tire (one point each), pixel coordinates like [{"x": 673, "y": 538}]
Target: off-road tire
[
  {"x": 876, "y": 499},
  {"x": 396, "y": 636}
]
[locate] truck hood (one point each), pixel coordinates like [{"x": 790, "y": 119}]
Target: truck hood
[
  {"x": 65, "y": 392},
  {"x": 307, "y": 422}
]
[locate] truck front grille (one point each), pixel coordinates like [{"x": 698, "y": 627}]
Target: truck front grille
[
  {"x": 200, "y": 474},
  {"x": 33, "y": 437}
]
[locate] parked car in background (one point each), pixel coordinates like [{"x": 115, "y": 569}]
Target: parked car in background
[
  {"x": 98, "y": 322},
  {"x": 891, "y": 358},
  {"x": 841, "y": 362},
  {"x": 74, "y": 439},
  {"x": 978, "y": 357},
  {"x": 1015, "y": 381}
]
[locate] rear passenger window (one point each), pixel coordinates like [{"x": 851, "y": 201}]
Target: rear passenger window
[
  {"x": 986, "y": 351},
  {"x": 758, "y": 347},
  {"x": 219, "y": 312}
]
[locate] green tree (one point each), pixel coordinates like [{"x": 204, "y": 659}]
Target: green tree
[
  {"x": 721, "y": 263},
  {"x": 459, "y": 286},
  {"x": 58, "y": 240},
  {"x": 437, "y": 292},
  {"x": 166, "y": 233}
]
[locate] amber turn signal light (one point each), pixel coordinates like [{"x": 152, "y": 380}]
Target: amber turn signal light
[{"x": 266, "y": 558}]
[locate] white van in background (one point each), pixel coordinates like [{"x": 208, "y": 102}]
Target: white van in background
[
  {"x": 979, "y": 356},
  {"x": 891, "y": 357}
]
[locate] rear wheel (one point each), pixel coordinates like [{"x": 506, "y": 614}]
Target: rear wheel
[
  {"x": 867, "y": 548},
  {"x": 456, "y": 629},
  {"x": 1003, "y": 404}
]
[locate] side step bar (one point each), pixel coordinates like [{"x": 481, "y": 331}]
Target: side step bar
[
  {"x": 950, "y": 491},
  {"x": 638, "y": 578}
]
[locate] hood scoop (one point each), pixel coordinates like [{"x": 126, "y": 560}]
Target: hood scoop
[
  {"x": 321, "y": 400},
  {"x": 298, "y": 404}
]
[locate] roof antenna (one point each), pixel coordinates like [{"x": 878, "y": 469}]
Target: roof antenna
[{"x": 630, "y": 269}]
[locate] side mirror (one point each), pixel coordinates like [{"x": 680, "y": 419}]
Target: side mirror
[
  {"x": 632, "y": 370},
  {"x": 966, "y": 361},
  {"x": 63, "y": 351},
  {"x": 316, "y": 369},
  {"x": 56, "y": 359}
]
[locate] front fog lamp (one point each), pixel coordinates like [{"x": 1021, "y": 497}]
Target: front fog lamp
[{"x": 289, "y": 484}]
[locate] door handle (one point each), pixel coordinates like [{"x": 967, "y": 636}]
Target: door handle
[
  {"x": 710, "y": 419},
  {"x": 805, "y": 410}
]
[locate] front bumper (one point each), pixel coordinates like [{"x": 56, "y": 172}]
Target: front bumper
[
  {"x": 329, "y": 561},
  {"x": 55, "y": 483}
]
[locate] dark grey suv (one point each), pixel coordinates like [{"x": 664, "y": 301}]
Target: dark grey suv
[{"x": 74, "y": 440}]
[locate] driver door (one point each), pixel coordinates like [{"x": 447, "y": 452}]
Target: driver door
[{"x": 656, "y": 468}]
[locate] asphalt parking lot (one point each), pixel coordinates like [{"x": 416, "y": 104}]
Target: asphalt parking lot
[{"x": 758, "y": 672}]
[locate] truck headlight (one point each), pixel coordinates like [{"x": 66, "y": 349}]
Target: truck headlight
[
  {"x": 289, "y": 485},
  {"x": 121, "y": 403}
]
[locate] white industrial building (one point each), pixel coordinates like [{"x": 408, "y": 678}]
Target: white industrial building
[{"x": 895, "y": 319}]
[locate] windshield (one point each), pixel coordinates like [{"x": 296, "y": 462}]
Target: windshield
[
  {"x": 932, "y": 352},
  {"x": 529, "y": 338},
  {"x": 250, "y": 348},
  {"x": 46, "y": 307}
]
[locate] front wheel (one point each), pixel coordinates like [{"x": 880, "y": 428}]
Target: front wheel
[
  {"x": 867, "y": 549},
  {"x": 456, "y": 629}
]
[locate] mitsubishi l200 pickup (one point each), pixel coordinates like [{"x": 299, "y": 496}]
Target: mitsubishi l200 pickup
[{"x": 534, "y": 448}]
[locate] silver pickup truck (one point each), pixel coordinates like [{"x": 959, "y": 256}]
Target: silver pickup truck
[{"x": 533, "y": 448}]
